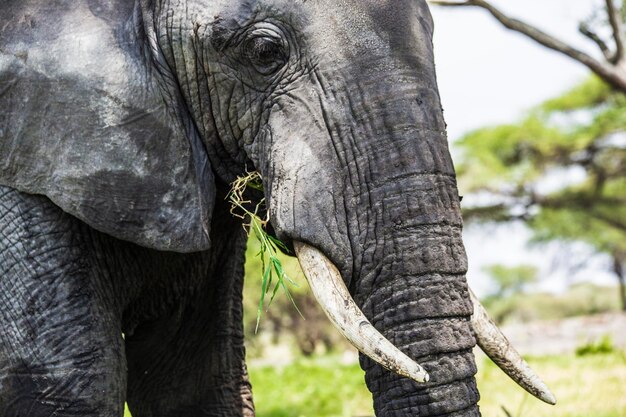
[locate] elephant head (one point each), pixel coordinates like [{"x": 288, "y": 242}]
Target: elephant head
[{"x": 335, "y": 103}]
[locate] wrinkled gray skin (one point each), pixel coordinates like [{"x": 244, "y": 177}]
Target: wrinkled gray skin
[{"x": 121, "y": 126}]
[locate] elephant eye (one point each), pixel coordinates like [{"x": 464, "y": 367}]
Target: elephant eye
[{"x": 266, "y": 53}]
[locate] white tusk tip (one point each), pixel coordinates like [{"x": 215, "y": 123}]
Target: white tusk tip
[
  {"x": 417, "y": 375},
  {"x": 425, "y": 377},
  {"x": 493, "y": 342},
  {"x": 547, "y": 397},
  {"x": 413, "y": 371}
]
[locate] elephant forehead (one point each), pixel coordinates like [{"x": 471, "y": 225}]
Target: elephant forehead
[{"x": 349, "y": 30}]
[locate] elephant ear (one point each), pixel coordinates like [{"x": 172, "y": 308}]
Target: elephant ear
[{"x": 89, "y": 121}]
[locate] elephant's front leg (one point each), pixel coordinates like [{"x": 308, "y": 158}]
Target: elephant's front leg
[
  {"x": 190, "y": 361},
  {"x": 61, "y": 351}
]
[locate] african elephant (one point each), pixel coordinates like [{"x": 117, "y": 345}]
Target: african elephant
[{"x": 122, "y": 126}]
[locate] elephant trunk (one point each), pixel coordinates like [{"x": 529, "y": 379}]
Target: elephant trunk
[
  {"x": 409, "y": 262},
  {"x": 412, "y": 288}
]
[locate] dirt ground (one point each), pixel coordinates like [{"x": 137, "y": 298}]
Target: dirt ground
[{"x": 564, "y": 336}]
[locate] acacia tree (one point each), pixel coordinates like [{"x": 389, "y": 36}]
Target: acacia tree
[
  {"x": 516, "y": 157},
  {"x": 611, "y": 68},
  {"x": 582, "y": 132}
]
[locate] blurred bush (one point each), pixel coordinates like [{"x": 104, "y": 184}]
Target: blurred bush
[
  {"x": 602, "y": 346},
  {"x": 579, "y": 300}
]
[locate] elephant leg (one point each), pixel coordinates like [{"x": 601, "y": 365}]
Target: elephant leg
[
  {"x": 190, "y": 362},
  {"x": 61, "y": 351}
]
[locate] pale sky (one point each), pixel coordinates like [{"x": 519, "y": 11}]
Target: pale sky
[{"x": 489, "y": 75}]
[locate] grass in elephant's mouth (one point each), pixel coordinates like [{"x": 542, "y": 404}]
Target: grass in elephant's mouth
[{"x": 273, "y": 274}]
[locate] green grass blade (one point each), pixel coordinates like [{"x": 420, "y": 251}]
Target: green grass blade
[{"x": 269, "y": 245}]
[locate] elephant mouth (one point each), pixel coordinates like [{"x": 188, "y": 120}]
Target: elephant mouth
[{"x": 331, "y": 293}]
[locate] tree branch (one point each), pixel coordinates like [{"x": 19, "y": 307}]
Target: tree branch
[
  {"x": 611, "y": 222},
  {"x": 498, "y": 213},
  {"x": 584, "y": 29},
  {"x": 616, "y": 25},
  {"x": 608, "y": 72}
]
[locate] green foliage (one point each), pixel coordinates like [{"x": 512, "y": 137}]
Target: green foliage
[
  {"x": 512, "y": 160},
  {"x": 602, "y": 346},
  {"x": 582, "y": 131},
  {"x": 271, "y": 266},
  {"x": 591, "y": 92},
  {"x": 503, "y": 158},
  {"x": 511, "y": 280},
  {"x": 554, "y": 223}
]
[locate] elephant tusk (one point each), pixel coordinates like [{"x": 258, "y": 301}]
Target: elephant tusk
[
  {"x": 333, "y": 296},
  {"x": 495, "y": 344}
]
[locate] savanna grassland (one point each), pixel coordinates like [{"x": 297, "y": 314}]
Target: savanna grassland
[
  {"x": 586, "y": 386},
  {"x": 592, "y": 385}
]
